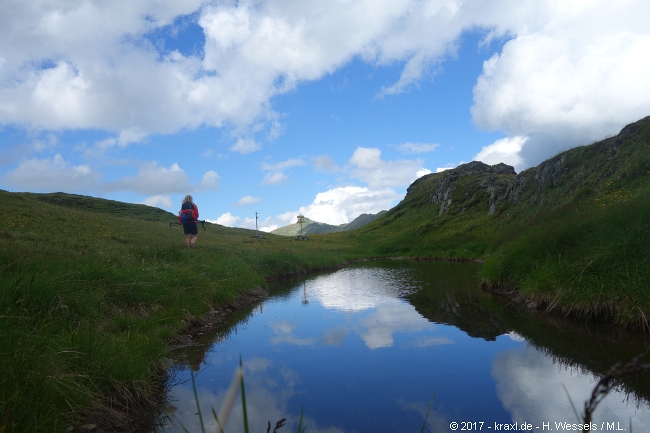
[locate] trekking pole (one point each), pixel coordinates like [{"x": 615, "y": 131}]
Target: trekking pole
[{"x": 197, "y": 221}]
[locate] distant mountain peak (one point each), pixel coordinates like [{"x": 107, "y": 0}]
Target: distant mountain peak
[{"x": 314, "y": 227}]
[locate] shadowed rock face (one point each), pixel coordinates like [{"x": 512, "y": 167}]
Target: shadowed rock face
[{"x": 498, "y": 182}]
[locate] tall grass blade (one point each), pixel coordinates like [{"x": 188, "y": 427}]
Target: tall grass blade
[
  {"x": 301, "y": 429},
  {"x": 196, "y": 399},
  {"x": 243, "y": 396},
  {"x": 427, "y": 414},
  {"x": 216, "y": 418},
  {"x": 180, "y": 423},
  {"x": 226, "y": 407},
  {"x": 575, "y": 411}
]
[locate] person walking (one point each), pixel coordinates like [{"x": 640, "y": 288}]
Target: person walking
[{"x": 187, "y": 216}]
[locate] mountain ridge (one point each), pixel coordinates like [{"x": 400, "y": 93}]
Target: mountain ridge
[{"x": 311, "y": 227}]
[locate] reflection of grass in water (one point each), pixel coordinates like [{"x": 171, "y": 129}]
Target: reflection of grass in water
[
  {"x": 226, "y": 407},
  {"x": 604, "y": 386}
]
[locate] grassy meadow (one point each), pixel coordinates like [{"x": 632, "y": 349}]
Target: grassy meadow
[{"x": 92, "y": 293}]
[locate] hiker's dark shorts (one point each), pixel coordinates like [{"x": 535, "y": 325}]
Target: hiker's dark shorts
[{"x": 190, "y": 229}]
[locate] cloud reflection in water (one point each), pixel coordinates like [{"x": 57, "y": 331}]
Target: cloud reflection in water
[
  {"x": 359, "y": 289},
  {"x": 529, "y": 384},
  {"x": 361, "y": 357}
]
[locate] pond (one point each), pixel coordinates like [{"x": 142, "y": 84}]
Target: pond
[{"x": 369, "y": 347}]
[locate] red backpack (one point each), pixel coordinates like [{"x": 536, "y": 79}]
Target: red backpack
[{"x": 189, "y": 213}]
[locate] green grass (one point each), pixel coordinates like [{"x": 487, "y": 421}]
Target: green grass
[
  {"x": 586, "y": 259},
  {"x": 89, "y": 302}
]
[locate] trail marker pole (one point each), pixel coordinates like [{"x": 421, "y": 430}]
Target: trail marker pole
[
  {"x": 305, "y": 301},
  {"x": 301, "y": 220},
  {"x": 257, "y": 232}
]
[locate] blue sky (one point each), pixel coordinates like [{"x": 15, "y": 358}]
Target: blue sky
[{"x": 283, "y": 107}]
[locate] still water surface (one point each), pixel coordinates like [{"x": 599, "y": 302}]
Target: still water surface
[{"x": 365, "y": 349}]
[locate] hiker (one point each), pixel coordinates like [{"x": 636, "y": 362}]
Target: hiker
[{"x": 187, "y": 216}]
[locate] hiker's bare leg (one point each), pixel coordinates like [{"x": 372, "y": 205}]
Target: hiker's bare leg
[
  {"x": 188, "y": 239},
  {"x": 193, "y": 240}
]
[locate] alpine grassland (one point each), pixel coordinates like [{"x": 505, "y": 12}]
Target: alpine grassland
[
  {"x": 595, "y": 261},
  {"x": 93, "y": 291}
]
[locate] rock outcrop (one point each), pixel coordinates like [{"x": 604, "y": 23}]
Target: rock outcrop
[{"x": 476, "y": 188}]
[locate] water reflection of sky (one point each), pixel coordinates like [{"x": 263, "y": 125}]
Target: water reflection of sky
[
  {"x": 359, "y": 357},
  {"x": 532, "y": 388}
]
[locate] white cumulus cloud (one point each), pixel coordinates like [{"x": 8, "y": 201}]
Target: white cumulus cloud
[
  {"x": 574, "y": 78},
  {"x": 208, "y": 182},
  {"x": 274, "y": 178},
  {"x": 417, "y": 147},
  {"x": 505, "y": 150},
  {"x": 51, "y": 174},
  {"x": 343, "y": 204},
  {"x": 368, "y": 167},
  {"x": 161, "y": 201},
  {"x": 244, "y": 146},
  {"x": 571, "y": 72},
  {"x": 248, "y": 199},
  {"x": 227, "y": 219}
]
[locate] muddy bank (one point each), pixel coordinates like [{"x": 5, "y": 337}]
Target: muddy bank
[{"x": 216, "y": 317}]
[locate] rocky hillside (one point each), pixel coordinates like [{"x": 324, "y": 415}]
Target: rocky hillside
[
  {"x": 572, "y": 233},
  {"x": 310, "y": 227},
  {"x": 607, "y": 170}
]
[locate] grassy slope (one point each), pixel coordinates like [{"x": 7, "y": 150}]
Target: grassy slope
[
  {"x": 91, "y": 296},
  {"x": 572, "y": 233}
]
